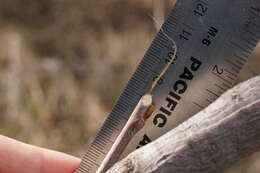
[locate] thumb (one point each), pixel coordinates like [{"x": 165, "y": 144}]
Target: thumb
[{"x": 19, "y": 157}]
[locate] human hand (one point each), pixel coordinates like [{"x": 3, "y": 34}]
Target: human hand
[{"x": 18, "y": 157}]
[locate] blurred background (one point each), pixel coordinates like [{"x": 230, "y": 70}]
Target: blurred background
[{"x": 63, "y": 63}]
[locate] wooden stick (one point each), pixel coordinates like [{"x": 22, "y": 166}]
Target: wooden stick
[
  {"x": 136, "y": 122},
  {"x": 226, "y": 131},
  {"x": 141, "y": 113}
]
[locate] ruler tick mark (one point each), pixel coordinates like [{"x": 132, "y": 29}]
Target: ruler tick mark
[
  {"x": 223, "y": 89},
  {"x": 213, "y": 93},
  {"x": 229, "y": 72},
  {"x": 208, "y": 100},
  {"x": 240, "y": 47},
  {"x": 199, "y": 105},
  {"x": 234, "y": 65},
  {"x": 253, "y": 36},
  {"x": 231, "y": 78},
  {"x": 226, "y": 85},
  {"x": 250, "y": 43},
  {"x": 225, "y": 80},
  {"x": 239, "y": 57}
]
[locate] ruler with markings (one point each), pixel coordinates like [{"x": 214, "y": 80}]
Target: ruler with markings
[{"x": 214, "y": 40}]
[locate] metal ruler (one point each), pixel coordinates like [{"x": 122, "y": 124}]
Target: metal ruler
[{"x": 214, "y": 39}]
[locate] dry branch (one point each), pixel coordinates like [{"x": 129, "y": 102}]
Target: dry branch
[
  {"x": 136, "y": 122},
  {"x": 224, "y": 132}
]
